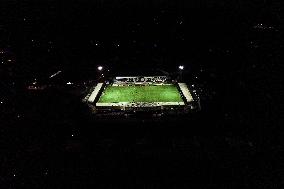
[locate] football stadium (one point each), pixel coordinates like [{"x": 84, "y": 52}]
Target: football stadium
[{"x": 140, "y": 93}]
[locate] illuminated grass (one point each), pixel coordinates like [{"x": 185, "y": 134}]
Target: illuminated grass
[{"x": 152, "y": 93}]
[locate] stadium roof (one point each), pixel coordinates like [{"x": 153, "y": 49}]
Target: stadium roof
[{"x": 139, "y": 71}]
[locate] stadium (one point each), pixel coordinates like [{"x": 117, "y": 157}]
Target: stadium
[{"x": 156, "y": 94}]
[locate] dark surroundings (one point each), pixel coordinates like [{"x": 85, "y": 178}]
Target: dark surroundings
[{"x": 231, "y": 51}]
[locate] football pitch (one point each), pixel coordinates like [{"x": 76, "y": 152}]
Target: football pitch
[{"x": 140, "y": 93}]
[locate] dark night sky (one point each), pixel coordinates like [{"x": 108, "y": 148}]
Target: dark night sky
[{"x": 231, "y": 50}]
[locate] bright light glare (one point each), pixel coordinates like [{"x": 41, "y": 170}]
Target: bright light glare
[
  {"x": 181, "y": 67},
  {"x": 100, "y": 68},
  {"x": 55, "y": 74}
]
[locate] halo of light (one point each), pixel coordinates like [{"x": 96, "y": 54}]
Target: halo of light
[{"x": 100, "y": 68}]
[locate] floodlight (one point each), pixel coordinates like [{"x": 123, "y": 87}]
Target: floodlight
[
  {"x": 100, "y": 68},
  {"x": 181, "y": 67}
]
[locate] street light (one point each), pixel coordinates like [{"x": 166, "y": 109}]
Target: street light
[{"x": 100, "y": 68}]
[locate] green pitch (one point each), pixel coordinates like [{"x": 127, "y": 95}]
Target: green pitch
[{"x": 152, "y": 93}]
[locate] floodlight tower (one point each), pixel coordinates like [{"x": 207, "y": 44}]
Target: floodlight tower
[
  {"x": 100, "y": 70},
  {"x": 181, "y": 68}
]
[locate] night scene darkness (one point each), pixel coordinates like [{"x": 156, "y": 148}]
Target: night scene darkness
[{"x": 141, "y": 94}]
